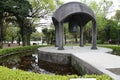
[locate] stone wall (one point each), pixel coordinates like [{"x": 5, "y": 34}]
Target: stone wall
[
  {"x": 81, "y": 66},
  {"x": 58, "y": 58}
]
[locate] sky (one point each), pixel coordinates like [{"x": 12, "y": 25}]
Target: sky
[
  {"x": 115, "y": 2},
  {"x": 112, "y": 10}
]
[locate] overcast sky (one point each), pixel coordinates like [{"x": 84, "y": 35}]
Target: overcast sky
[
  {"x": 115, "y": 2},
  {"x": 112, "y": 9}
]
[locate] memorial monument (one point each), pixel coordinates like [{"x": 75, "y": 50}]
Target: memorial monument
[{"x": 76, "y": 14}]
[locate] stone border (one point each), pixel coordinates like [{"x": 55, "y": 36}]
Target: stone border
[{"x": 83, "y": 67}]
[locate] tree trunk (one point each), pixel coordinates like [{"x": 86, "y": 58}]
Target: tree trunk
[
  {"x": 23, "y": 40},
  {"x": 22, "y": 30},
  {"x": 1, "y": 33},
  {"x": 12, "y": 40},
  {"x": 47, "y": 39},
  {"x": 23, "y": 36},
  {"x": 19, "y": 39},
  {"x": 28, "y": 39}
]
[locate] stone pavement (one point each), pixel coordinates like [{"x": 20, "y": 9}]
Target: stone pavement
[{"x": 101, "y": 58}]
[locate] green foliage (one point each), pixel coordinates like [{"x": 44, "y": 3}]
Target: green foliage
[
  {"x": 19, "y": 7},
  {"x": 41, "y": 7},
  {"x": 49, "y": 35},
  {"x": 100, "y": 77},
  {"x": 17, "y": 49},
  {"x": 99, "y": 42},
  {"x": 113, "y": 47},
  {"x": 58, "y": 2},
  {"x": 116, "y": 49},
  {"x": 101, "y": 10},
  {"x": 9, "y": 74},
  {"x": 11, "y": 31},
  {"x": 117, "y": 15},
  {"x": 35, "y": 36},
  {"x": 114, "y": 32}
]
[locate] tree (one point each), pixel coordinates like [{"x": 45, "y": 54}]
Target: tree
[
  {"x": 41, "y": 8},
  {"x": 68, "y": 35},
  {"x": 1, "y": 22},
  {"x": 117, "y": 15},
  {"x": 36, "y": 36},
  {"x": 49, "y": 35},
  {"x": 12, "y": 32},
  {"x": 101, "y": 9},
  {"x": 45, "y": 32},
  {"x": 20, "y": 9},
  {"x": 116, "y": 19},
  {"x": 25, "y": 8}
]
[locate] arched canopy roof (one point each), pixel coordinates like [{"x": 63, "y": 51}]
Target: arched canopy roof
[{"x": 76, "y": 11}]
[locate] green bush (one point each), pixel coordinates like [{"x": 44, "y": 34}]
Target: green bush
[
  {"x": 19, "y": 49},
  {"x": 116, "y": 49},
  {"x": 9, "y": 74},
  {"x": 100, "y": 77},
  {"x": 113, "y": 47},
  {"x": 100, "y": 42}
]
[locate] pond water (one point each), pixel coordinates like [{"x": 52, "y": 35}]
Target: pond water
[{"x": 28, "y": 61}]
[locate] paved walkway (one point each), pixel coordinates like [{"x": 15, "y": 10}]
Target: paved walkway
[{"x": 100, "y": 58}]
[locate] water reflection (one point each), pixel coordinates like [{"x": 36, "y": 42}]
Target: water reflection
[
  {"x": 29, "y": 62},
  {"x": 24, "y": 61}
]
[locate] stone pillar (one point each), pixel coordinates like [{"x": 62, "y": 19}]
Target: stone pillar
[
  {"x": 94, "y": 35},
  {"x": 81, "y": 36},
  {"x": 57, "y": 35},
  {"x": 60, "y": 35}
]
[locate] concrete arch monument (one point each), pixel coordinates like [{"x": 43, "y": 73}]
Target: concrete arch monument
[{"x": 76, "y": 13}]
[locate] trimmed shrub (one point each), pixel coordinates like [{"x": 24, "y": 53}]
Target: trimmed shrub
[
  {"x": 100, "y": 77},
  {"x": 116, "y": 49},
  {"x": 19, "y": 49},
  {"x": 9, "y": 74}
]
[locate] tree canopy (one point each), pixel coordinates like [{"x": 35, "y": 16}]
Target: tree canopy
[{"x": 21, "y": 10}]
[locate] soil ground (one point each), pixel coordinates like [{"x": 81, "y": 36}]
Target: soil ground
[{"x": 10, "y": 45}]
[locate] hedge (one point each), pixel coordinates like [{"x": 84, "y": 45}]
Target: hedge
[
  {"x": 10, "y": 74},
  {"x": 112, "y": 47},
  {"x": 19, "y": 49},
  {"x": 116, "y": 49}
]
